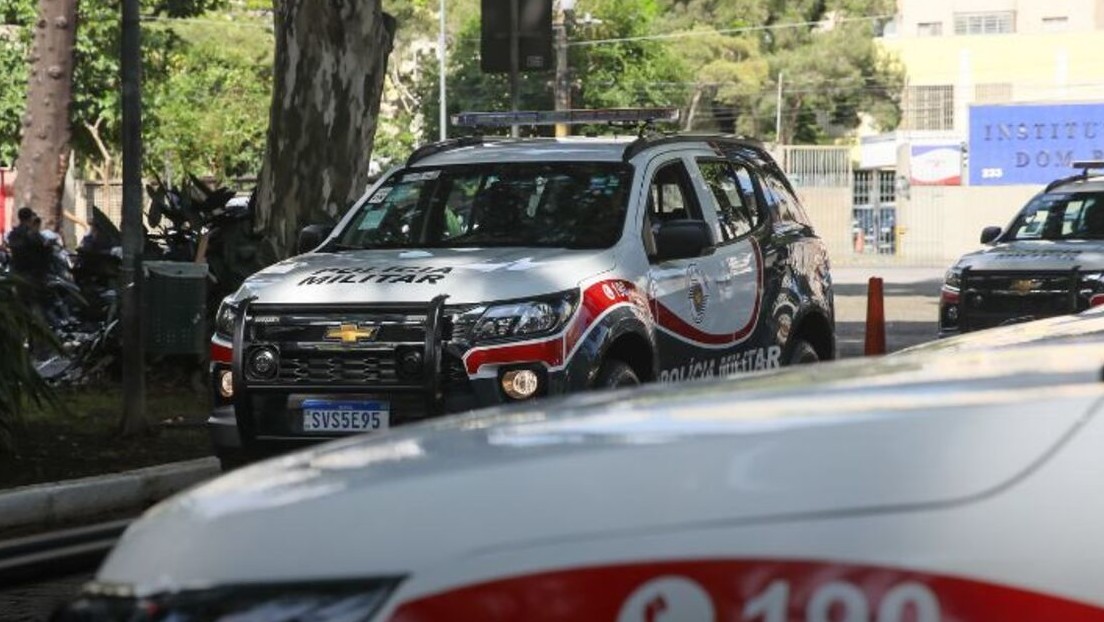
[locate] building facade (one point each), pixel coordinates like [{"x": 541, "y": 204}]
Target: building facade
[{"x": 1001, "y": 96}]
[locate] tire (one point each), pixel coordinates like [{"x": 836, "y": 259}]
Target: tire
[
  {"x": 615, "y": 374},
  {"x": 802, "y": 353}
]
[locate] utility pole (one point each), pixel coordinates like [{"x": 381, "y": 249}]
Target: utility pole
[
  {"x": 514, "y": 63},
  {"x": 562, "y": 85},
  {"x": 443, "y": 117},
  {"x": 134, "y": 351},
  {"x": 778, "y": 113}
]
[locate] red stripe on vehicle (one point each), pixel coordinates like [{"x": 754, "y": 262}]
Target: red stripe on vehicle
[
  {"x": 671, "y": 321},
  {"x": 221, "y": 353},
  {"x": 759, "y": 589},
  {"x": 549, "y": 352},
  {"x": 596, "y": 300}
]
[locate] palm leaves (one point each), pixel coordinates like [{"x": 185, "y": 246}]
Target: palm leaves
[{"x": 20, "y": 384}]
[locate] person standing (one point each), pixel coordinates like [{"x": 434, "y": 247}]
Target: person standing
[{"x": 29, "y": 254}]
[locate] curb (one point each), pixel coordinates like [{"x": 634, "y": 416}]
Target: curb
[{"x": 69, "y": 500}]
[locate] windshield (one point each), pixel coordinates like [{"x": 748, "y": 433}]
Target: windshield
[
  {"x": 1065, "y": 216},
  {"x": 562, "y": 205}
]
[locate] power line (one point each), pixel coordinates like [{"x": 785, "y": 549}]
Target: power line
[{"x": 728, "y": 31}]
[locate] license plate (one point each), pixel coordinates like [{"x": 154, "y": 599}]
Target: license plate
[{"x": 332, "y": 416}]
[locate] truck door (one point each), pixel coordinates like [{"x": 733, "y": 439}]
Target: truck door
[{"x": 689, "y": 297}]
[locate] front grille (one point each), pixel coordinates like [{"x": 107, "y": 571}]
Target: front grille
[
  {"x": 990, "y": 299},
  {"x": 373, "y": 347},
  {"x": 360, "y": 368}
]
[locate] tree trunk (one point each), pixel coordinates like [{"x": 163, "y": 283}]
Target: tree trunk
[
  {"x": 331, "y": 59},
  {"x": 44, "y": 150}
]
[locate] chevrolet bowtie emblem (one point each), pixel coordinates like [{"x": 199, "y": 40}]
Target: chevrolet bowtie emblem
[
  {"x": 1024, "y": 286},
  {"x": 351, "y": 333}
]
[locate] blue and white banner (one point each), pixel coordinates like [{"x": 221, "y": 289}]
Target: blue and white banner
[{"x": 1032, "y": 144}]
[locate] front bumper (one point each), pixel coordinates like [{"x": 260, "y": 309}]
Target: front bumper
[
  {"x": 265, "y": 416},
  {"x": 278, "y": 414},
  {"x": 991, "y": 298}
]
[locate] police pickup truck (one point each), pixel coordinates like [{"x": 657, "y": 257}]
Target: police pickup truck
[
  {"x": 1049, "y": 261},
  {"x": 489, "y": 271}
]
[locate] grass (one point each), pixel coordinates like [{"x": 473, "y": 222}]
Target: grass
[{"x": 83, "y": 440}]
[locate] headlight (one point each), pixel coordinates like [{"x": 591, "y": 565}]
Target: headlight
[
  {"x": 953, "y": 279},
  {"x": 321, "y": 601},
  {"x": 224, "y": 320},
  {"x": 524, "y": 319}
]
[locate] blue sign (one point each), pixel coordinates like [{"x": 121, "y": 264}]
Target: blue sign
[{"x": 1032, "y": 144}]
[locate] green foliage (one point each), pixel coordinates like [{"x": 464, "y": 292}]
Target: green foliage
[
  {"x": 832, "y": 72},
  {"x": 220, "y": 130},
  {"x": 20, "y": 385},
  {"x": 208, "y": 115},
  {"x": 629, "y": 73}
]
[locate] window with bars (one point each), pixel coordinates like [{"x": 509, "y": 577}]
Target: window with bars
[
  {"x": 929, "y": 29},
  {"x": 986, "y": 23},
  {"x": 929, "y": 108}
]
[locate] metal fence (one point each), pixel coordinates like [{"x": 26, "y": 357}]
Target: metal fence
[
  {"x": 867, "y": 217},
  {"x": 108, "y": 196}
]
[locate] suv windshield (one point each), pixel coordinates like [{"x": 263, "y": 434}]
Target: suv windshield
[
  {"x": 1061, "y": 216},
  {"x": 563, "y": 205}
]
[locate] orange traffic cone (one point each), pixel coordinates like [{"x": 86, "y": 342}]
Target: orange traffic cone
[{"x": 875, "y": 318}]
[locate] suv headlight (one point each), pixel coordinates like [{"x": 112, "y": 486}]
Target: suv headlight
[
  {"x": 225, "y": 318},
  {"x": 531, "y": 318},
  {"x": 952, "y": 279},
  {"x": 328, "y": 601}
]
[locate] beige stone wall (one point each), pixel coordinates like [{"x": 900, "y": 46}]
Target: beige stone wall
[
  {"x": 935, "y": 225},
  {"x": 939, "y": 224}
]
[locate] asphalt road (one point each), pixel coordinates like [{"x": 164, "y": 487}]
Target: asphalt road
[
  {"x": 911, "y": 300},
  {"x": 35, "y": 602},
  {"x": 911, "y": 306}
]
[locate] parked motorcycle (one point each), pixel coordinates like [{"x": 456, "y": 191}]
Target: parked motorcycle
[{"x": 80, "y": 304}]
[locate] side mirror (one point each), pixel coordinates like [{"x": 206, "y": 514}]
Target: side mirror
[
  {"x": 682, "y": 239},
  {"x": 989, "y": 234},
  {"x": 311, "y": 237}
]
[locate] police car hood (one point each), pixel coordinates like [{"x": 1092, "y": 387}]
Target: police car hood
[
  {"x": 1033, "y": 255},
  {"x": 825, "y": 442},
  {"x": 1052, "y": 331},
  {"x": 466, "y": 275}
]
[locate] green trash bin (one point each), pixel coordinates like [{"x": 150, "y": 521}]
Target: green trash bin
[{"x": 175, "y": 306}]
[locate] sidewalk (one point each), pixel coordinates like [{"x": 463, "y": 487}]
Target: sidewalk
[{"x": 67, "y": 502}]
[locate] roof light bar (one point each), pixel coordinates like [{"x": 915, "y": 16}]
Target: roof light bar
[
  {"x": 566, "y": 117},
  {"x": 1088, "y": 165}
]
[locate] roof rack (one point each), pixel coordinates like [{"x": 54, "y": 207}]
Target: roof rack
[
  {"x": 1085, "y": 166},
  {"x": 650, "y": 140},
  {"x": 444, "y": 145},
  {"x": 613, "y": 116},
  {"x": 1088, "y": 165}
]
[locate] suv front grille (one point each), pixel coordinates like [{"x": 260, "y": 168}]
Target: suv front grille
[
  {"x": 993, "y": 298},
  {"x": 363, "y": 368}
]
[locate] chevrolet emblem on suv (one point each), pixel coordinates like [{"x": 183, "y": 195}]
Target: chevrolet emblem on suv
[
  {"x": 1024, "y": 286},
  {"x": 351, "y": 333}
]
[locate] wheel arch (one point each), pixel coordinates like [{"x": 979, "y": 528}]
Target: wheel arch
[
  {"x": 815, "y": 327},
  {"x": 636, "y": 351}
]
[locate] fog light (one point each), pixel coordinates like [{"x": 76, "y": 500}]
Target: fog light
[
  {"x": 410, "y": 364},
  {"x": 226, "y": 383},
  {"x": 262, "y": 363},
  {"x": 520, "y": 384},
  {"x": 952, "y": 313}
]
